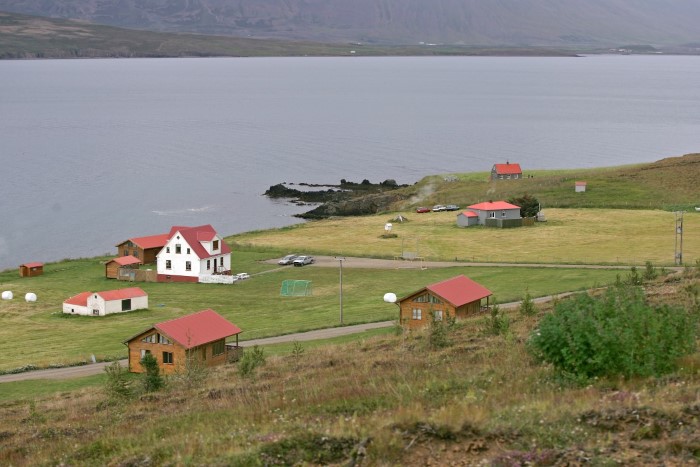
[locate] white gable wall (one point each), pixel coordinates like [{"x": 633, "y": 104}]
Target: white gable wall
[
  {"x": 178, "y": 261},
  {"x": 75, "y": 309}
]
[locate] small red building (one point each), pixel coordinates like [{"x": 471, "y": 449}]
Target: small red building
[
  {"x": 112, "y": 266},
  {"x": 143, "y": 248},
  {"x": 31, "y": 269},
  {"x": 458, "y": 297},
  {"x": 200, "y": 336}
]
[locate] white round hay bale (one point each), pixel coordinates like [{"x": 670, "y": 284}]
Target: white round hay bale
[
  {"x": 390, "y": 297},
  {"x": 7, "y": 295},
  {"x": 30, "y": 297}
]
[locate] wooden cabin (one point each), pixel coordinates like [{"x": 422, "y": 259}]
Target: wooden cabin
[
  {"x": 143, "y": 248},
  {"x": 113, "y": 266},
  {"x": 31, "y": 269},
  {"x": 456, "y": 298},
  {"x": 200, "y": 336},
  {"x": 506, "y": 171}
]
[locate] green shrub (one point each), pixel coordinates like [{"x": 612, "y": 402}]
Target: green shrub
[
  {"x": 617, "y": 334},
  {"x": 496, "y": 324},
  {"x": 527, "y": 306},
  {"x": 152, "y": 381},
  {"x": 438, "y": 338},
  {"x": 251, "y": 359},
  {"x": 117, "y": 384}
]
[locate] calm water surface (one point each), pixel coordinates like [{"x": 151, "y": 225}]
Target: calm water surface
[{"x": 95, "y": 151}]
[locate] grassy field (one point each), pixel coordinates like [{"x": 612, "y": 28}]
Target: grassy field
[
  {"x": 481, "y": 400},
  {"x": 669, "y": 184},
  {"x": 590, "y": 236},
  {"x": 40, "y": 334}
]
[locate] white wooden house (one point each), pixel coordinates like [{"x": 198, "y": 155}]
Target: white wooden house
[
  {"x": 191, "y": 252},
  {"x": 106, "y": 302}
]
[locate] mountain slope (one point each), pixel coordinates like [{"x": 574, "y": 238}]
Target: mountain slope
[{"x": 472, "y": 22}]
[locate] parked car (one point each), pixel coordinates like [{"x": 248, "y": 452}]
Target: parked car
[
  {"x": 451, "y": 207},
  {"x": 303, "y": 260},
  {"x": 422, "y": 209},
  {"x": 241, "y": 276},
  {"x": 287, "y": 260},
  {"x": 439, "y": 207}
]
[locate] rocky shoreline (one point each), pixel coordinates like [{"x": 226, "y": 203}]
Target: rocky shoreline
[{"x": 344, "y": 199}]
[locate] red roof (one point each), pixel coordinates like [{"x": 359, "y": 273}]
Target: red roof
[
  {"x": 470, "y": 214},
  {"x": 195, "y": 235},
  {"x": 121, "y": 294},
  {"x": 580, "y": 183},
  {"x": 493, "y": 206},
  {"x": 79, "y": 300},
  {"x": 151, "y": 241},
  {"x": 32, "y": 265},
  {"x": 198, "y": 328},
  {"x": 459, "y": 290},
  {"x": 508, "y": 169},
  {"x": 126, "y": 260}
]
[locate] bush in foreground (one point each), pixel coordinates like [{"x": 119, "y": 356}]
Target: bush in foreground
[{"x": 618, "y": 334}]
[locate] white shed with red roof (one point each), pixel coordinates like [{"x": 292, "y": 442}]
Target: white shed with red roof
[{"x": 106, "y": 302}]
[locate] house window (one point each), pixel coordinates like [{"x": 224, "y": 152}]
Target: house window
[
  {"x": 145, "y": 352},
  {"x": 438, "y": 315},
  {"x": 126, "y": 252},
  {"x": 167, "y": 249},
  {"x": 163, "y": 340},
  {"x": 126, "y": 304},
  {"x": 503, "y": 214},
  {"x": 151, "y": 339},
  {"x": 168, "y": 358},
  {"x": 422, "y": 299},
  {"x": 178, "y": 249},
  {"x": 209, "y": 264},
  {"x": 216, "y": 245},
  {"x": 492, "y": 214},
  {"x": 221, "y": 262},
  {"x": 136, "y": 253},
  {"x": 96, "y": 312},
  {"x": 168, "y": 264},
  {"x": 188, "y": 251},
  {"x": 188, "y": 265},
  {"x": 417, "y": 313},
  {"x": 218, "y": 347}
]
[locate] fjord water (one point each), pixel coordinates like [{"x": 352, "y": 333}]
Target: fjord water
[{"x": 93, "y": 152}]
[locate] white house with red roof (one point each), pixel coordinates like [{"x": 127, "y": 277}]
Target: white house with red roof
[
  {"x": 497, "y": 210},
  {"x": 506, "y": 171},
  {"x": 191, "y": 252},
  {"x": 106, "y": 302},
  {"x": 458, "y": 297},
  {"x": 199, "y": 336}
]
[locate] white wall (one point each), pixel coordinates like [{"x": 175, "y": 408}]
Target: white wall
[
  {"x": 76, "y": 309},
  {"x": 178, "y": 260}
]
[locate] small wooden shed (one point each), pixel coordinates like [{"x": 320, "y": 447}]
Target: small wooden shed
[
  {"x": 458, "y": 297},
  {"x": 31, "y": 269},
  {"x": 112, "y": 266},
  {"x": 580, "y": 187},
  {"x": 200, "y": 336}
]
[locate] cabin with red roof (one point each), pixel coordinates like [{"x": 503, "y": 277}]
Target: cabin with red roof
[
  {"x": 199, "y": 336},
  {"x": 454, "y": 298},
  {"x": 31, "y": 269},
  {"x": 113, "y": 266},
  {"x": 496, "y": 214},
  {"x": 143, "y": 248},
  {"x": 191, "y": 252},
  {"x": 106, "y": 302},
  {"x": 506, "y": 171}
]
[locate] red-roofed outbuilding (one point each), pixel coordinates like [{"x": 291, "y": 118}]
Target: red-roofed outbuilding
[
  {"x": 31, "y": 269},
  {"x": 143, "y": 248},
  {"x": 456, "y": 298},
  {"x": 506, "y": 171},
  {"x": 106, "y": 302},
  {"x": 200, "y": 336},
  {"x": 112, "y": 266}
]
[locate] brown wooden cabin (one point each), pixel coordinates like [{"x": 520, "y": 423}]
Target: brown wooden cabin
[
  {"x": 456, "y": 298},
  {"x": 143, "y": 248},
  {"x": 200, "y": 336},
  {"x": 112, "y": 266},
  {"x": 31, "y": 269}
]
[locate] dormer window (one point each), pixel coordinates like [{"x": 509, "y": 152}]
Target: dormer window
[{"x": 215, "y": 246}]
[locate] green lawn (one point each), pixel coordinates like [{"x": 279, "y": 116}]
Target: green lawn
[{"x": 40, "y": 334}]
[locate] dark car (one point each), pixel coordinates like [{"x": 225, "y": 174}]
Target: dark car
[
  {"x": 422, "y": 209},
  {"x": 451, "y": 207}
]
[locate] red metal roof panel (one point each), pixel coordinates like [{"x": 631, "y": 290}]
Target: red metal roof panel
[
  {"x": 79, "y": 300},
  {"x": 508, "y": 169},
  {"x": 32, "y": 265},
  {"x": 470, "y": 214},
  {"x": 198, "y": 328},
  {"x": 121, "y": 294},
  {"x": 493, "y": 206},
  {"x": 459, "y": 290},
  {"x": 126, "y": 260}
]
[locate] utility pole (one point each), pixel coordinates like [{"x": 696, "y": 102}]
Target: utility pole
[
  {"x": 679, "y": 238},
  {"x": 340, "y": 261}
]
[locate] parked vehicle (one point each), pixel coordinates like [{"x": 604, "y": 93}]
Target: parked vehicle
[
  {"x": 287, "y": 260},
  {"x": 241, "y": 276},
  {"x": 439, "y": 207},
  {"x": 451, "y": 207},
  {"x": 303, "y": 260},
  {"x": 422, "y": 209}
]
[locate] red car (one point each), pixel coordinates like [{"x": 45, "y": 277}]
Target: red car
[{"x": 422, "y": 209}]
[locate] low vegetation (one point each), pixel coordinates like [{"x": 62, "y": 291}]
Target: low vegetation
[{"x": 479, "y": 399}]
